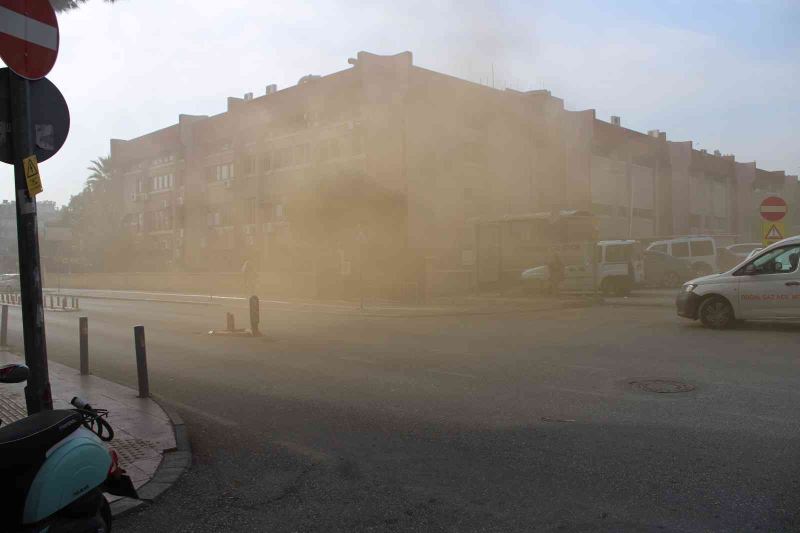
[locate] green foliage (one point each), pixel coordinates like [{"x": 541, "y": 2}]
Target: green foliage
[{"x": 66, "y": 5}]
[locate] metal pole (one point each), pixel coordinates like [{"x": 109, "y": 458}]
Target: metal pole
[
  {"x": 141, "y": 361},
  {"x": 83, "y": 331},
  {"x": 37, "y": 392},
  {"x": 4, "y": 327},
  {"x": 255, "y": 316}
]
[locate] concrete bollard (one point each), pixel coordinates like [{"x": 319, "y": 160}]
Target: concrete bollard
[
  {"x": 77, "y": 303},
  {"x": 64, "y": 303},
  {"x": 4, "y": 326},
  {"x": 255, "y": 316},
  {"x": 83, "y": 333},
  {"x": 141, "y": 361},
  {"x": 50, "y": 298},
  {"x": 230, "y": 322}
]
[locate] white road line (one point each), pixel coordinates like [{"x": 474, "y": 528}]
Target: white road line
[{"x": 28, "y": 29}]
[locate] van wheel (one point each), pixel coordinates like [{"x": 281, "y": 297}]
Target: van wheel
[
  {"x": 716, "y": 313},
  {"x": 670, "y": 280},
  {"x": 622, "y": 287}
]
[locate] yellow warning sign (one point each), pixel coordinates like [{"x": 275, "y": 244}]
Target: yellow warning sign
[
  {"x": 771, "y": 232},
  {"x": 31, "y": 166}
]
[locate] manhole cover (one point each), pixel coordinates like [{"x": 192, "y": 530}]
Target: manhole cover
[{"x": 662, "y": 386}]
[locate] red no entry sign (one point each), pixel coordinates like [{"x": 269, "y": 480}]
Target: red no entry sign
[
  {"x": 28, "y": 37},
  {"x": 773, "y": 208}
]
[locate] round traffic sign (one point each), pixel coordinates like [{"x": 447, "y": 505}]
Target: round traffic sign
[
  {"x": 28, "y": 37},
  {"x": 49, "y": 122},
  {"x": 773, "y": 208}
]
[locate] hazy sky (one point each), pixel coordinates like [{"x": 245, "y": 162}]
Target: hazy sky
[{"x": 725, "y": 74}]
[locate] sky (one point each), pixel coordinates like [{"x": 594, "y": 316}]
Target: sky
[{"x": 724, "y": 74}]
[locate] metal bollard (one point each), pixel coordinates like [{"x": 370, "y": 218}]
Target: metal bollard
[
  {"x": 83, "y": 332},
  {"x": 141, "y": 361},
  {"x": 255, "y": 316},
  {"x": 4, "y": 326},
  {"x": 230, "y": 323}
]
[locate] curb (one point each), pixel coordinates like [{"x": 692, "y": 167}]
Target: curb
[
  {"x": 149, "y": 300},
  {"x": 173, "y": 465}
]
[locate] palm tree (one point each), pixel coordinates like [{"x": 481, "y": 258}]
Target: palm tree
[
  {"x": 100, "y": 174},
  {"x": 66, "y": 5}
]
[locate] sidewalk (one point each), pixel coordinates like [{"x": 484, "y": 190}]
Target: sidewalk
[{"x": 152, "y": 444}]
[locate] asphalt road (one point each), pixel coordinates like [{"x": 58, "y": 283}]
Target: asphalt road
[{"x": 508, "y": 422}]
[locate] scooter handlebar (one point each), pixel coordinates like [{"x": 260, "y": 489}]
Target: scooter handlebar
[{"x": 80, "y": 403}]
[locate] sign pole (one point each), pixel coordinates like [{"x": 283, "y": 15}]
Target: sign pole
[{"x": 37, "y": 391}]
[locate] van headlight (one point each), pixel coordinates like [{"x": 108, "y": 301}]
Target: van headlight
[{"x": 689, "y": 287}]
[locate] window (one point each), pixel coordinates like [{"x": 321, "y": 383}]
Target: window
[
  {"x": 659, "y": 248},
  {"x": 700, "y": 248},
  {"x": 140, "y": 223},
  {"x": 250, "y": 211},
  {"x": 163, "y": 182},
  {"x": 266, "y": 162},
  {"x": 299, "y": 154},
  {"x": 618, "y": 253},
  {"x": 140, "y": 185},
  {"x": 224, "y": 172},
  {"x": 680, "y": 249},
  {"x": 778, "y": 261},
  {"x": 248, "y": 163}
]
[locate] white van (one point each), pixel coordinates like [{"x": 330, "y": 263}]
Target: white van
[
  {"x": 620, "y": 266},
  {"x": 701, "y": 252},
  {"x": 765, "y": 286}
]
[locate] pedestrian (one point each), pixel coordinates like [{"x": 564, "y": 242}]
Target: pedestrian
[{"x": 556, "y": 268}]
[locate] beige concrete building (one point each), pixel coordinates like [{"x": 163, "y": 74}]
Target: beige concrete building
[{"x": 209, "y": 193}]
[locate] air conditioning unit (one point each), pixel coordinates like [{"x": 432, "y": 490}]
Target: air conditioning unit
[{"x": 228, "y": 184}]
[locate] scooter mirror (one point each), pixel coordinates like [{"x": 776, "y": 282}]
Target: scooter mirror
[{"x": 13, "y": 373}]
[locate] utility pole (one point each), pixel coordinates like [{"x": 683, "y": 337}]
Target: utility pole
[{"x": 37, "y": 391}]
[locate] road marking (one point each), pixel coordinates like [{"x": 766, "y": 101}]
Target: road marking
[{"x": 227, "y": 422}]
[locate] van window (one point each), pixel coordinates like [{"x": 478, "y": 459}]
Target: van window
[
  {"x": 618, "y": 253},
  {"x": 680, "y": 249},
  {"x": 700, "y": 248},
  {"x": 659, "y": 248},
  {"x": 778, "y": 261}
]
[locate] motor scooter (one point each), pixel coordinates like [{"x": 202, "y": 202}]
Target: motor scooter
[{"x": 55, "y": 467}]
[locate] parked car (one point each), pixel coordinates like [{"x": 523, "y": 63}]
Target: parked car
[
  {"x": 620, "y": 267},
  {"x": 9, "y": 282},
  {"x": 663, "y": 270},
  {"x": 701, "y": 252},
  {"x": 732, "y": 255}
]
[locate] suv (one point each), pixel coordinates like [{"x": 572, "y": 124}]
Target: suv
[{"x": 701, "y": 252}]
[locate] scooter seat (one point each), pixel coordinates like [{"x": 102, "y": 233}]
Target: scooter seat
[{"x": 32, "y": 436}]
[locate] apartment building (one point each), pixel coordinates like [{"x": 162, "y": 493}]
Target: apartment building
[{"x": 210, "y": 192}]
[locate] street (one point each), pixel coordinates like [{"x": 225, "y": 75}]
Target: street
[{"x": 546, "y": 421}]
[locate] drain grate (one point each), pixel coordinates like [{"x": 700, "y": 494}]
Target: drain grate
[
  {"x": 12, "y": 408},
  {"x": 661, "y": 386},
  {"x": 131, "y": 450}
]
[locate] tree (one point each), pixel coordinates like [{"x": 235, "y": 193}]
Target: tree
[
  {"x": 66, "y": 5},
  {"x": 93, "y": 216}
]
